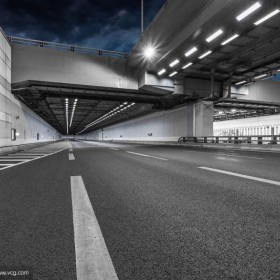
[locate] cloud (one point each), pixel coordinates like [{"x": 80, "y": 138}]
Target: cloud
[{"x": 113, "y": 25}]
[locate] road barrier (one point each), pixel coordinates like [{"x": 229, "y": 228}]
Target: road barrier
[{"x": 255, "y": 139}]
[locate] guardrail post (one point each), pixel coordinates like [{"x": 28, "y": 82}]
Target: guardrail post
[
  {"x": 195, "y": 139},
  {"x": 229, "y": 139},
  {"x": 273, "y": 139},
  {"x": 236, "y": 140},
  {"x": 205, "y": 139},
  {"x": 260, "y": 140},
  {"x": 217, "y": 139},
  {"x": 249, "y": 140}
]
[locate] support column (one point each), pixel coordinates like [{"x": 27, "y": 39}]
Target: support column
[{"x": 203, "y": 118}]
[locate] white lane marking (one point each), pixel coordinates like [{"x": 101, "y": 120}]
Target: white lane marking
[
  {"x": 71, "y": 156},
  {"x": 70, "y": 150},
  {"x": 230, "y": 155},
  {"x": 92, "y": 257},
  {"x": 14, "y": 159},
  {"x": 114, "y": 149},
  {"x": 242, "y": 176},
  {"x": 29, "y": 154},
  {"x": 6, "y": 164},
  {"x": 33, "y": 159},
  {"x": 144, "y": 155}
]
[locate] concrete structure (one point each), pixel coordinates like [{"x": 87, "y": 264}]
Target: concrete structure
[
  {"x": 191, "y": 120},
  {"x": 18, "y": 124}
]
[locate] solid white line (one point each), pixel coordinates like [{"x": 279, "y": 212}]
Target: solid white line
[
  {"x": 71, "y": 156},
  {"x": 92, "y": 257},
  {"x": 242, "y": 176},
  {"x": 14, "y": 159},
  {"x": 114, "y": 149},
  {"x": 143, "y": 155},
  {"x": 29, "y": 154},
  {"x": 229, "y": 155},
  {"x": 33, "y": 159},
  {"x": 2, "y": 164}
]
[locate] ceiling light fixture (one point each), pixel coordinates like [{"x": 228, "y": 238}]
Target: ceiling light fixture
[
  {"x": 230, "y": 39},
  {"x": 187, "y": 65},
  {"x": 205, "y": 54},
  {"x": 172, "y": 74},
  {"x": 248, "y": 11},
  {"x": 191, "y": 51},
  {"x": 260, "y": 76},
  {"x": 176, "y": 61},
  {"x": 240, "y": 83},
  {"x": 162, "y": 71},
  {"x": 265, "y": 18},
  {"x": 214, "y": 35}
]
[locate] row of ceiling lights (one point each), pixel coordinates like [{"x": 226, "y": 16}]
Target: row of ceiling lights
[
  {"x": 113, "y": 112},
  {"x": 66, "y": 113},
  {"x": 216, "y": 34},
  {"x": 73, "y": 111},
  {"x": 262, "y": 77}
]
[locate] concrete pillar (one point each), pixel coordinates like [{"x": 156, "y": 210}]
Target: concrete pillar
[{"x": 203, "y": 118}]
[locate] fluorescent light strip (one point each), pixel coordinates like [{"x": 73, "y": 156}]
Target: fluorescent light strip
[
  {"x": 278, "y": 70},
  {"x": 187, "y": 65},
  {"x": 214, "y": 35},
  {"x": 205, "y": 54},
  {"x": 172, "y": 74},
  {"x": 162, "y": 71},
  {"x": 73, "y": 111},
  {"x": 240, "y": 83},
  {"x": 230, "y": 39},
  {"x": 249, "y": 11},
  {"x": 110, "y": 114},
  {"x": 191, "y": 51},
  {"x": 275, "y": 12},
  {"x": 266, "y": 78},
  {"x": 66, "y": 112},
  {"x": 260, "y": 76},
  {"x": 176, "y": 61}
]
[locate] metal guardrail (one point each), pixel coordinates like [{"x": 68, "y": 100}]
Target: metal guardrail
[
  {"x": 65, "y": 47},
  {"x": 255, "y": 139}
]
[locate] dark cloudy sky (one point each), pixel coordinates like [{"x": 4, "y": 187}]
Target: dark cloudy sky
[{"x": 103, "y": 24}]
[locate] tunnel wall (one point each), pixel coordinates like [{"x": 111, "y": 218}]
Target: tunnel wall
[
  {"x": 266, "y": 125},
  {"x": 267, "y": 90},
  {"x": 190, "y": 120},
  {"x": 14, "y": 114}
]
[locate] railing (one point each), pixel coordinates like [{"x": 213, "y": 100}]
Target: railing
[
  {"x": 64, "y": 47},
  {"x": 256, "y": 139}
]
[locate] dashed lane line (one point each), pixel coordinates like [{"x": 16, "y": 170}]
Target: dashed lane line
[
  {"x": 230, "y": 155},
  {"x": 114, "y": 149},
  {"x": 92, "y": 257},
  {"x": 242, "y": 176},
  {"x": 144, "y": 155},
  {"x": 22, "y": 162},
  {"x": 71, "y": 156}
]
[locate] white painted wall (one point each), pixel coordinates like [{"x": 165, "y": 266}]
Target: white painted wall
[
  {"x": 249, "y": 126},
  {"x": 15, "y": 115},
  {"x": 164, "y": 126}
]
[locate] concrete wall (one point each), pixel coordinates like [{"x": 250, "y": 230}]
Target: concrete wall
[
  {"x": 43, "y": 64},
  {"x": 190, "y": 120},
  {"x": 267, "y": 91},
  {"x": 266, "y": 125},
  {"x": 13, "y": 114}
]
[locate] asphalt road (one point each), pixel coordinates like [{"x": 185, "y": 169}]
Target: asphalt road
[{"x": 165, "y": 212}]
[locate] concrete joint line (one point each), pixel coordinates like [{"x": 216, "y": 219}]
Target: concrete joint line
[{"x": 92, "y": 257}]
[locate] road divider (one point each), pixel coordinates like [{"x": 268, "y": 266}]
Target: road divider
[
  {"x": 92, "y": 257},
  {"x": 242, "y": 176}
]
